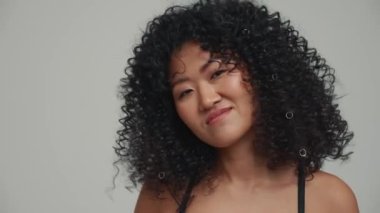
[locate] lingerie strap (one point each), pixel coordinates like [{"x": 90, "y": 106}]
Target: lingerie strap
[{"x": 301, "y": 188}]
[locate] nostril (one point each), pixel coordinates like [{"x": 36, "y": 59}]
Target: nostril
[{"x": 208, "y": 95}]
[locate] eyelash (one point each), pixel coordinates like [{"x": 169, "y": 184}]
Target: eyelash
[
  {"x": 182, "y": 94},
  {"x": 217, "y": 73}
]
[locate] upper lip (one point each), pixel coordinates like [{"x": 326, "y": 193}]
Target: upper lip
[{"x": 215, "y": 113}]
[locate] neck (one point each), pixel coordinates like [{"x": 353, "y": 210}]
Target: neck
[{"x": 241, "y": 164}]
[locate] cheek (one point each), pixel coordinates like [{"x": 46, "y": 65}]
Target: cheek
[
  {"x": 186, "y": 114},
  {"x": 240, "y": 93},
  {"x": 237, "y": 87}
]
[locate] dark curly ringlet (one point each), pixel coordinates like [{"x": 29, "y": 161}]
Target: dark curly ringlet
[{"x": 286, "y": 74}]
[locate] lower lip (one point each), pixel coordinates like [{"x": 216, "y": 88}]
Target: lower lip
[{"x": 219, "y": 117}]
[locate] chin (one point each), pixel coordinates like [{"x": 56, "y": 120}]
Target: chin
[
  {"x": 222, "y": 143},
  {"x": 230, "y": 138}
]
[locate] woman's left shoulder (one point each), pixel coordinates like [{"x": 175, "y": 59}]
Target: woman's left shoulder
[{"x": 333, "y": 193}]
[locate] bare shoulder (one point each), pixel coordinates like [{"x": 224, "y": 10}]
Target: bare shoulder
[
  {"x": 333, "y": 193},
  {"x": 150, "y": 201}
]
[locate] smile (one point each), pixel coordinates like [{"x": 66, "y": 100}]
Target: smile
[{"x": 219, "y": 117}]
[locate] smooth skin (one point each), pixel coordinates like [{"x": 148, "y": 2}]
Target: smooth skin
[{"x": 243, "y": 183}]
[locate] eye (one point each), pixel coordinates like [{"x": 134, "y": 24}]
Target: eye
[
  {"x": 184, "y": 93},
  {"x": 217, "y": 73}
]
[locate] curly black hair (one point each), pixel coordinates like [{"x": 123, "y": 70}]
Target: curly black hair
[{"x": 293, "y": 86}]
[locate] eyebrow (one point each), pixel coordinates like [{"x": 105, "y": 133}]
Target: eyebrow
[{"x": 184, "y": 79}]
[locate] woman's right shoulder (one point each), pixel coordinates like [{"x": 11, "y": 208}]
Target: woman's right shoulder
[{"x": 149, "y": 200}]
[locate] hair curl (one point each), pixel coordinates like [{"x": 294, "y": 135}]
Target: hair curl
[{"x": 288, "y": 77}]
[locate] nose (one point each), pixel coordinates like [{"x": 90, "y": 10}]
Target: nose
[{"x": 208, "y": 96}]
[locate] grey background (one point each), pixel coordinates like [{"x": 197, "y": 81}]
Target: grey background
[{"x": 60, "y": 64}]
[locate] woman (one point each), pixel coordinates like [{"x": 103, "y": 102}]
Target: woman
[{"x": 227, "y": 109}]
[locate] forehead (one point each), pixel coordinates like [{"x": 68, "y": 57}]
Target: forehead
[{"x": 189, "y": 54}]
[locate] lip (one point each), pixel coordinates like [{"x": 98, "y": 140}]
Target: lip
[{"x": 214, "y": 115}]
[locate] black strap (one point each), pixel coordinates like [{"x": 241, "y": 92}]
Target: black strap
[
  {"x": 186, "y": 197},
  {"x": 301, "y": 191},
  {"x": 301, "y": 186}
]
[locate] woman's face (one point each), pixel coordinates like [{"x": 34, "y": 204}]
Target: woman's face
[{"x": 210, "y": 96}]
